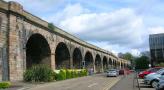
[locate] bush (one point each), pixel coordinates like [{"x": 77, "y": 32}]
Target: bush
[
  {"x": 39, "y": 73},
  {"x": 83, "y": 72},
  {"x": 72, "y": 74},
  {"x": 76, "y": 73},
  {"x": 4, "y": 85},
  {"x": 61, "y": 75},
  {"x": 68, "y": 74}
]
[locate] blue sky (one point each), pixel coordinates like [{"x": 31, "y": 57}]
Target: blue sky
[{"x": 114, "y": 25}]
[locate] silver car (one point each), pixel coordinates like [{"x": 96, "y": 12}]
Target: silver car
[
  {"x": 112, "y": 72},
  {"x": 160, "y": 85},
  {"x": 153, "y": 79}
]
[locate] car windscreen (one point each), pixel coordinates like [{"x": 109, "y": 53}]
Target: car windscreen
[
  {"x": 112, "y": 70},
  {"x": 162, "y": 72},
  {"x": 155, "y": 69},
  {"x": 159, "y": 71}
]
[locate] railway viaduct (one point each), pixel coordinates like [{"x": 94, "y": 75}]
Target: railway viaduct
[{"x": 26, "y": 40}]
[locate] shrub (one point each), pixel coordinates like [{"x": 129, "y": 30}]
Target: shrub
[
  {"x": 68, "y": 74},
  {"x": 73, "y": 73},
  {"x": 84, "y": 72},
  {"x": 4, "y": 85},
  {"x": 76, "y": 73},
  {"x": 39, "y": 73},
  {"x": 61, "y": 75}
]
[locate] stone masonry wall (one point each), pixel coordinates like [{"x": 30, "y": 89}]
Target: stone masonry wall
[{"x": 3, "y": 46}]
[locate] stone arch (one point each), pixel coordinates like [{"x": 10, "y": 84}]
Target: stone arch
[
  {"x": 37, "y": 51},
  {"x": 88, "y": 59},
  {"x": 114, "y": 63},
  {"x": 62, "y": 56},
  {"x": 98, "y": 63},
  {"x": 77, "y": 58},
  {"x": 105, "y": 63},
  {"x": 110, "y": 62},
  {"x": 119, "y": 63},
  {"x": 122, "y": 64}
]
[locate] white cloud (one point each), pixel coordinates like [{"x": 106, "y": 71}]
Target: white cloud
[
  {"x": 121, "y": 30},
  {"x": 121, "y": 27},
  {"x": 135, "y": 52},
  {"x": 156, "y": 30},
  {"x": 69, "y": 12}
]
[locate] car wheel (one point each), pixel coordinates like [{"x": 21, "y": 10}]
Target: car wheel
[{"x": 154, "y": 83}]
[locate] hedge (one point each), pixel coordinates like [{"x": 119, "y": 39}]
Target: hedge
[
  {"x": 61, "y": 75},
  {"x": 4, "y": 85},
  {"x": 43, "y": 73},
  {"x": 70, "y": 73}
]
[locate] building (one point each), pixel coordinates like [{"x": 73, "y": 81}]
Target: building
[{"x": 156, "y": 42}]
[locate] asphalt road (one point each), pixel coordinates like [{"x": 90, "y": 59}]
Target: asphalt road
[{"x": 95, "y": 82}]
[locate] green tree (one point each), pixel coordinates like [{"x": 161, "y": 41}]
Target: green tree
[
  {"x": 142, "y": 62},
  {"x": 128, "y": 56}
]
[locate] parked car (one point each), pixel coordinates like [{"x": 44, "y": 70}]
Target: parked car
[
  {"x": 153, "y": 79},
  {"x": 160, "y": 70},
  {"x": 125, "y": 71},
  {"x": 112, "y": 72},
  {"x": 148, "y": 71},
  {"x": 121, "y": 71},
  {"x": 160, "y": 85}
]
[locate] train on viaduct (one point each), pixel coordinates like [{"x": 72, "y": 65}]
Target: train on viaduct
[{"x": 26, "y": 40}]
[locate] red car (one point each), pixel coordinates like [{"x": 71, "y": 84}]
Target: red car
[{"x": 148, "y": 71}]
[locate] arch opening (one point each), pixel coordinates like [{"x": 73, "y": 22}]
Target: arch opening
[
  {"x": 105, "y": 63},
  {"x": 37, "y": 51},
  {"x": 98, "y": 63},
  {"x": 88, "y": 60},
  {"x": 62, "y": 56},
  {"x": 110, "y": 63},
  {"x": 114, "y": 63},
  {"x": 77, "y": 58}
]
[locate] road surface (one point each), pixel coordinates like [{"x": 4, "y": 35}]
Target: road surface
[{"x": 95, "y": 82}]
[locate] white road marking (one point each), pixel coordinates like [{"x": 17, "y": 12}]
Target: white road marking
[
  {"x": 22, "y": 88},
  {"x": 93, "y": 84}
]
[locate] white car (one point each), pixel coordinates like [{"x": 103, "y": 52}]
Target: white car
[{"x": 112, "y": 72}]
